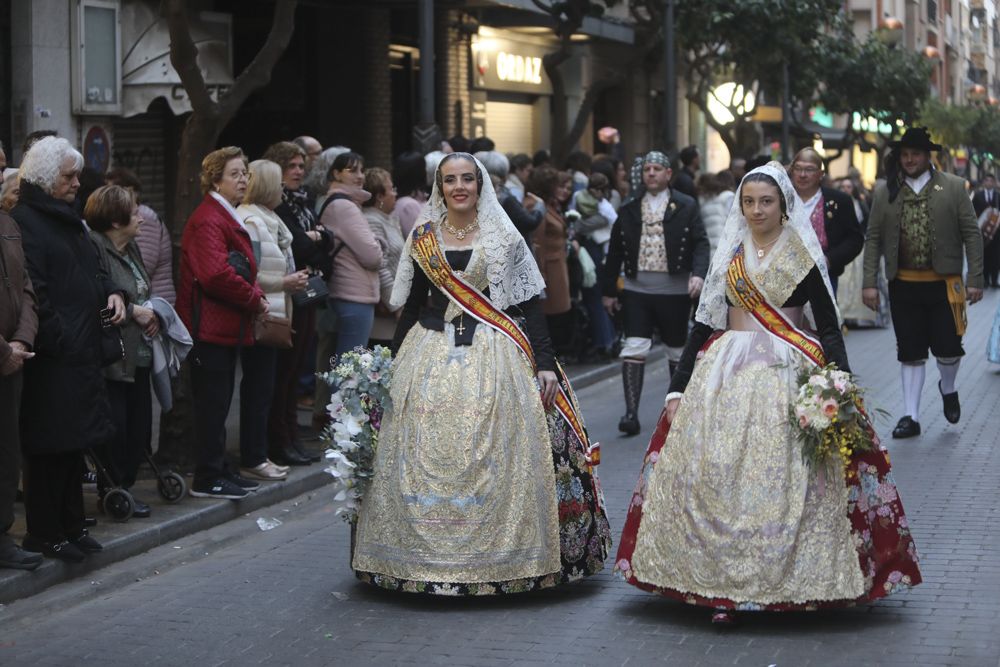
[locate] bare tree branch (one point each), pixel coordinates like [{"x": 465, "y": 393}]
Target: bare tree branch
[
  {"x": 184, "y": 56},
  {"x": 258, "y": 73}
]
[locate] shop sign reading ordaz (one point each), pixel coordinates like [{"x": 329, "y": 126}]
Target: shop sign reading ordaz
[{"x": 511, "y": 66}]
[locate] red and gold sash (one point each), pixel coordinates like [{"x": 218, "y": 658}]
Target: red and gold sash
[
  {"x": 429, "y": 255},
  {"x": 774, "y": 321}
]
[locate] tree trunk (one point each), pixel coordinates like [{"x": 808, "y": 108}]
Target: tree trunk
[
  {"x": 560, "y": 106},
  {"x": 562, "y": 144}
]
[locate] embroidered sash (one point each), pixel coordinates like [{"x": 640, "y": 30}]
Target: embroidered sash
[
  {"x": 429, "y": 255},
  {"x": 774, "y": 321}
]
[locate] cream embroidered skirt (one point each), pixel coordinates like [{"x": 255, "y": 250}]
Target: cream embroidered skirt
[{"x": 464, "y": 498}]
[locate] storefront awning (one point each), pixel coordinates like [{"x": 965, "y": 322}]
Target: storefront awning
[
  {"x": 604, "y": 28},
  {"x": 146, "y": 70}
]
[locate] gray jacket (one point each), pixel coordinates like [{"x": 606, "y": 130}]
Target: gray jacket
[{"x": 170, "y": 348}]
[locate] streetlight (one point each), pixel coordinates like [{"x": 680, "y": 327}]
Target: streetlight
[
  {"x": 976, "y": 93},
  {"x": 890, "y": 31}
]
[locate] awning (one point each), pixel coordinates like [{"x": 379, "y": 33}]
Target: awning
[
  {"x": 605, "y": 28},
  {"x": 146, "y": 70}
]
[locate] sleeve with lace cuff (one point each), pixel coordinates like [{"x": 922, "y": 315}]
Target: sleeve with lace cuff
[{"x": 696, "y": 339}]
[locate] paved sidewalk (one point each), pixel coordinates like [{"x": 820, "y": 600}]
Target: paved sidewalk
[{"x": 191, "y": 515}]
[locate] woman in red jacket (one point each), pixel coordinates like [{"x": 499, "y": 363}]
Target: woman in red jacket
[{"x": 218, "y": 299}]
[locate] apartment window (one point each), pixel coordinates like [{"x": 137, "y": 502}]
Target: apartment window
[{"x": 932, "y": 11}]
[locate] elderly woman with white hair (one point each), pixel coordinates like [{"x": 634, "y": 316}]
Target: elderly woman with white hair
[{"x": 76, "y": 299}]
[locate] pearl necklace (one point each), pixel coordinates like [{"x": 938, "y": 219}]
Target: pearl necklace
[
  {"x": 762, "y": 248},
  {"x": 459, "y": 233}
]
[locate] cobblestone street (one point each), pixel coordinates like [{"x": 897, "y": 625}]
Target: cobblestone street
[{"x": 241, "y": 596}]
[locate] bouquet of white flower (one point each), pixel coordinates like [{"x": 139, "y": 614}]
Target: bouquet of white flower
[
  {"x": 828, "y": 415},
  {"x": 360, "y": 384}
]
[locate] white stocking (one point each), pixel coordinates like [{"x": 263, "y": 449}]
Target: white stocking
[
  {"x": 912, "y": 375},
  {"x": 948, "y": 367}
]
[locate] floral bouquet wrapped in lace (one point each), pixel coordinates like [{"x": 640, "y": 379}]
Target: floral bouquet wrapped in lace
[
  {"x": 827, "y": 415},
  {"x": 360, "y": 384}
]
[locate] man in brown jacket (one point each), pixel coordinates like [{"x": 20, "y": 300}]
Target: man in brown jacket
[
  {"x": 18, "y": 325},
  {"x": 923, "y": 224}
]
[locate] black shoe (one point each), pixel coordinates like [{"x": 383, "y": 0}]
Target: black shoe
[
  {"x": 629, "y": 424},
  {"x": 310, "y": 455},
  {"x": 952, "y": 408},
  {"x": 219, "y": 488},
  {"x": 906, "y": 428},
  {"x": 140, "y": 509},
  {"x": 87, "y": 544},
  {"x": 89, "y": 522},
  {"x": 13, "y": 557},
  {"x": 289, "y": 456},
  {"x": 64, "y": 551},
  {"x": 242, "y": 482}
]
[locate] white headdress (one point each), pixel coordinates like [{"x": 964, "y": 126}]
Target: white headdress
[
  {"x": 510, "y": 267},
  {"x": 713, "y": 309}
]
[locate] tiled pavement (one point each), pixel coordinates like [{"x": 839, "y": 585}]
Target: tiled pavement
[{"x": 286, "y": 596}]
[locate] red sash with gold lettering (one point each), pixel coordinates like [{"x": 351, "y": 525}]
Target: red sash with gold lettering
[
  {"x": 429, "y": 255},
  {"x": 774, "y": 321}
]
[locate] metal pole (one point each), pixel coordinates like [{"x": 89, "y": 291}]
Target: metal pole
[
  {"x": 670, "y": 85},
  {"x": 426, "y": 18},
  {"x": 786, "y": 112}
]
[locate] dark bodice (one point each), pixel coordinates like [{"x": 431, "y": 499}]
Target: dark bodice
[
  {"x": 427, "y": 304},
  {"x": 811, "y": 290}
]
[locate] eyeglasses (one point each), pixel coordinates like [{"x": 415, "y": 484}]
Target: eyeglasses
[{"x": 805, "y": 171}]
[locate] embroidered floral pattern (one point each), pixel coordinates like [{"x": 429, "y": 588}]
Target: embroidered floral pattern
[
  {"x": 584, "y": 532},
  {"x": 880, "y": 533}
]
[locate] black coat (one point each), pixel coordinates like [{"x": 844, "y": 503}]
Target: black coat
[
  {"x": 65, "y": 403},
  {"x": 980, "y": 203},
  {"x": 687, "y": 245},
  {"x": 844, "y": 236}
]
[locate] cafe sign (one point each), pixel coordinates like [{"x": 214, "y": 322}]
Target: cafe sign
[{"x": 508, "y": 65}]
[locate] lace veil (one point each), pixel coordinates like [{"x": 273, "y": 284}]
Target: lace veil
[
  {"x": 713, "y": 309},
  {"x": 510, "y": 267}
]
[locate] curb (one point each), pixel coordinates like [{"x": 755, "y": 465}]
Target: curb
[{"x": 199, "y": 514}]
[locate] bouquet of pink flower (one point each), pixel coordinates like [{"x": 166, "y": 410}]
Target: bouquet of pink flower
[{"x": 828, "y": 418}]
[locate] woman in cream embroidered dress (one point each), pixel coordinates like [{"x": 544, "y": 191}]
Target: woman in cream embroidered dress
[
  {"x": 477, "y": 491},
  {"x": 726, "y": 514}
]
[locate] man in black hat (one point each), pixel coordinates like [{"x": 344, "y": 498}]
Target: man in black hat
[{"x": 923, "y": 223}]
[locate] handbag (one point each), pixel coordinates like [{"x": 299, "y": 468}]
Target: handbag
[
  {"x": 112, "y": 346},
  {"x": 273, "y": 331},
  {"x": 315, "y": 292}
]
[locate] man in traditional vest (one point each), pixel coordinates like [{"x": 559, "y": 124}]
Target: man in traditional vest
[
  {"x": 923, "y": 223},
  {"x": 659, "y": 242}
]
